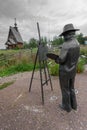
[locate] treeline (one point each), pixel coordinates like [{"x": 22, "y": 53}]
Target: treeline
[{"x": 33, "y": 43}]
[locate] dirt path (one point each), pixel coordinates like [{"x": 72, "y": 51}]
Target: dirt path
[{"x": 21, "y": 110}]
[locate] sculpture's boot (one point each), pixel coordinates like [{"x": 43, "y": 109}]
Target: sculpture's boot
[
  {"x": 63, "y": 108},
  {"x": 66, "y": 102}
]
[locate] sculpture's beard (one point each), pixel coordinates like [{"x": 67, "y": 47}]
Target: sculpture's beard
[{"x": 69, "y": 36}]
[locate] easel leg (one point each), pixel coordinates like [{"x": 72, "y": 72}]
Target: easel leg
[
  {"x": 33, "y": 73},
  {"x": 45, "y": 72},
  {"x": 41, "y": 83},
  {"x": 49, "y": 76}
]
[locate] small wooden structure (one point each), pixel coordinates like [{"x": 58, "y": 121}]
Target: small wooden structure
[{"x": 14, "y": 39}]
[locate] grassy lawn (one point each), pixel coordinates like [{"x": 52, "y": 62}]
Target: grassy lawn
[
  {"x": 25, "y": 61},
  {"x": 83, "y": 47},
  {"x": 22, "y": 67},
  {"x": 8, "y": 51},
  {"x": 34, "y": 50},
  {"x": 4, "y": 85}
]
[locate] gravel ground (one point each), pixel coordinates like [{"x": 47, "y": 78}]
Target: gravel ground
[{"x": 21, "y": 110}]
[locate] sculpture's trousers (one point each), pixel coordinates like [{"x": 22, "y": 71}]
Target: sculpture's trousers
[{"x": 68, "y": 93}]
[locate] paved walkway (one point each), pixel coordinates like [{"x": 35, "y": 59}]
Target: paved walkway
[{"x": 21, "y": 110}]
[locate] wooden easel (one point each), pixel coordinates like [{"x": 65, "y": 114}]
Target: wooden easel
[{"x": 42, "y": 66}]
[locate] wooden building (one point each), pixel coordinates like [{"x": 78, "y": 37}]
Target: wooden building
[{"x": 14, "y": 39}]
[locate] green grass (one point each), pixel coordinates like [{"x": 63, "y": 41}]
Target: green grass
[
  {"x": 4, "y": 85},
  {"x": 13, "y": 51},
  {"x": 8, "y": 51},
  {"x": 26, "y": 63},
  {"x": 21, "y": 67},
  {"x": 16, "y": 64}
]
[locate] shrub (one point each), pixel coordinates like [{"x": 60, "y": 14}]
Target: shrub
[
  {"x": 83, "y": 52},
  {"x": 80, "y": 65},
  {"x": 53, "y": 68}
]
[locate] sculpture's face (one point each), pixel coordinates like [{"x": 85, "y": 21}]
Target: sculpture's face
[{"x": 69, "y": 35}]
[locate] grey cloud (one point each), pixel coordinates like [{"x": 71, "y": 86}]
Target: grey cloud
[
  {"x": 52, "y": 15},
  {"x": 83, "y": 29},
  {"x": 10, "y": 8}
]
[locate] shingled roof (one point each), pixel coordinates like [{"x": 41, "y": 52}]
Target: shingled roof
[{"x": 14, "y": 36}]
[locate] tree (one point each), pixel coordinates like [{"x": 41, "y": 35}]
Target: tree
[
  {"x": 44, "y": 40},
  {"x": 80, "y": 38},
  {"x": 57, "y": 40},
  {"x": 32, "y": 43},
  {"x": 26, "y": 45}
]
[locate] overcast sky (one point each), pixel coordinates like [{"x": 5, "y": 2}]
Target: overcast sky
[{"x": 52, "y": 15}]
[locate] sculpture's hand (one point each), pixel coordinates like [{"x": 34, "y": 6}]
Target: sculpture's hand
[
  {"x": 57, "y": 60},
  {"x": 52, "y": 56}
]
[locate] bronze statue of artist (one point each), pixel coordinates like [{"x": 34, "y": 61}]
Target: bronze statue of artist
[{"x": 67, "y": 61}]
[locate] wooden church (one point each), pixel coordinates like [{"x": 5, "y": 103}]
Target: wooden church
[{"x": 14, "y": 39}]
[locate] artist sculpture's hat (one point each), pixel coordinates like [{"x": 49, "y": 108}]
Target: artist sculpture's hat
[{"x": 68, "y": 28}]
